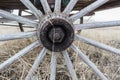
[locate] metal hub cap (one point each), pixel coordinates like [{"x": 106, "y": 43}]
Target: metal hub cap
[{"x": 56, "y": 34}]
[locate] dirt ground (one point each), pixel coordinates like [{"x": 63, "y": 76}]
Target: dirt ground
[{"x": 107, "y": 62}]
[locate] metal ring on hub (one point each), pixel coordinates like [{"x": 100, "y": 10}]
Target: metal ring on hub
[{"x": 56, "y": 35}]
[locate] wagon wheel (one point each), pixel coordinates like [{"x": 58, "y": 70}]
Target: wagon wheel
[{"x": 56, "y": 32}]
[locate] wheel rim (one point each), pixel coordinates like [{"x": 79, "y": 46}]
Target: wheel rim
[{"x": 57, "y": 15}]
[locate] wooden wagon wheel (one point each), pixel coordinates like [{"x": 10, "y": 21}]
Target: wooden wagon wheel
[{"x": 55, "y": 31}]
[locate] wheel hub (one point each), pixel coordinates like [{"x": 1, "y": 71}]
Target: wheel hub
[{"x": 56, "y": 34}]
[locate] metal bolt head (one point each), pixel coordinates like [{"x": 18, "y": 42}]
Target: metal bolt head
[{"x": 56, "y": 35}]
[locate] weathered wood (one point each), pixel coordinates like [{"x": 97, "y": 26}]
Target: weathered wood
[
  {"x": 36, "y": 64},
  {"x": 18, "y": 55},
  {"x": 88, "y": 62},
  {"x": 16, "y": 4},
  {"x": 70, "y": 6},
  {"x": 46, "y": 6},
  {"x": 88, "y": 9},
  {"x": 14, "y": 25},
  {"x": 69, "y": 65},
  {"x": 99, "y": 45},
  {"x": 31, "y": 7},
  {"x": 53, "y": 65},
  {"x": 20, "y": 35},
  {"x": 19, "y": 19},
  {"x": 57, "y": 6},
  {"x": 98, "y": 25},
  {"x": 4, "y": 20}
]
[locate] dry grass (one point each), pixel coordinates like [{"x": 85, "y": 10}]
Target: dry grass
[{"x": 108, "y": 63}]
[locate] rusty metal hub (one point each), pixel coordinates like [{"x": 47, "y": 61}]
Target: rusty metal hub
[{"x": 56, "y": 35}]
